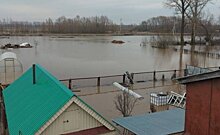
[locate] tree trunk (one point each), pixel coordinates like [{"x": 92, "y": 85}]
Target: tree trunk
[
  {"x": 182, "y": 29},
  {"x": 193, "y": 33},
  {"x": 182, "y": 41}
]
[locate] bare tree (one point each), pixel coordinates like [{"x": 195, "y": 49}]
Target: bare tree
[
  {"x": 125, "y": 104},
  {"x": 207, "y": 23},
  {"x": 194, "y": 14},
  {"x": 181, "y": 7}
]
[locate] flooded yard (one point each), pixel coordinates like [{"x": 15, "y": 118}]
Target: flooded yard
[
  {"x": 104, "y": 102},
  {"x": 94, "y": 56}
]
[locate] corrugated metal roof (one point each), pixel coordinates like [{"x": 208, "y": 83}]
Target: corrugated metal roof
[
  {"x": 193, "y": 70},
  {"x": 199, "y": 77},
  {"x": 159, "y": 123},
  {"x": 29, "y": 106}
]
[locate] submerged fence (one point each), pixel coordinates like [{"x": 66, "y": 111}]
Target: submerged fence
[{"x": 138, "y": 77}]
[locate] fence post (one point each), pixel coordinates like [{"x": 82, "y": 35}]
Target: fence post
[
  {"x": 185, "y": 72},
  {"x": 98, "y": 81},
  {"x": 154, "y": 76},
  {"x": 174, "y": 75},
  {"x": 132, "y": 76},
  {"x": 163, "y": 77},
  {"x": 123, "y": 78},
  {"x": 70, "y": 84}
]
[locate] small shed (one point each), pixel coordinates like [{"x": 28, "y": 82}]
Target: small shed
[
  {"x": 202, "y": 103},
  {"x": 38, "y": 104}
]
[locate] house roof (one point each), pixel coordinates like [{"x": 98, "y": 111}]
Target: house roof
[
  {"x": 199, "y": 77},
  {"x": 29, "y": 106},
  {"x": 159, "y": 123}
]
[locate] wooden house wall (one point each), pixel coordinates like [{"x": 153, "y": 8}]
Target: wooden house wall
[
  {"x": 71, "y": 120},
  {"x": 203, "y": 108}
]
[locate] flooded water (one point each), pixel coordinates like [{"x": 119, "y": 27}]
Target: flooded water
[{"x": 97, "y": 56}]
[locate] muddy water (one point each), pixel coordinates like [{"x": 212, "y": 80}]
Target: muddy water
[{"x": 96, "y": 55}]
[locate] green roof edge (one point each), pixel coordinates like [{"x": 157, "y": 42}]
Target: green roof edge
[
  {"x": 61, "y": 85},
  {"x": 54, "y": 79}
]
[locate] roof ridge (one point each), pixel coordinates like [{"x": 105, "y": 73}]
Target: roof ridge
[
  {"x": 44, "y": 98},
  {"x": 55, "y": 80}
]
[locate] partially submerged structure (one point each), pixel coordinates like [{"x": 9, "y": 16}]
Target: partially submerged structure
[
  {"x": 10, "y": 68},
  {"x": 22, "y": 45},
  {"x": 37, "y": 103}
]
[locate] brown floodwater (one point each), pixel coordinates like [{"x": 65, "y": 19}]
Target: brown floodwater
[{"x": 85, "y": 56}]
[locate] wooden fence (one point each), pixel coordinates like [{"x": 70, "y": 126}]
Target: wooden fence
[{"x": 137, "y": 77}]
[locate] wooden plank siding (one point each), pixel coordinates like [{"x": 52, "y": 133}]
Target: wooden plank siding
[
  {"x": 215, "y": 109},
  {"x": 202, "y": 108},
  {"x": 76, "y": 117},
  {"x": 198, "y": 108}
]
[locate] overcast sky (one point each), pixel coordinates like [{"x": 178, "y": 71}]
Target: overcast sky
[{"x": 131, "y": 11}]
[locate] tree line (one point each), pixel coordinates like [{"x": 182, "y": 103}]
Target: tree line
[
  {"x": 64, "y": 25},
  {"x": 172, "y": 24}
]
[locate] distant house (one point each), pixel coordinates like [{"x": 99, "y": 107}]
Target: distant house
[
  {"x": 202, "y": 103},
  {"x": 38, "y": 104}
]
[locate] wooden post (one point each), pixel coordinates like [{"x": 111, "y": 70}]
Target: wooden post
[
  {"x": 132, "y": 76},
  {"x": 174, "y": 75},
  {"x": 123, "y": 78},
  {"x": 98, "y": 81},
  {"x": 154, "y": 84},
  {"x": 154, "y": 76},
  {"x": 98, "y": 90},
  {"x": 70, "y": 84},
  {"x": 163, "y": 77},
  {"x": 185, "y": 72}
]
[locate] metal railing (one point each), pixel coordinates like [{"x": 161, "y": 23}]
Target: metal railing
[{"x": 138, "y": 77}]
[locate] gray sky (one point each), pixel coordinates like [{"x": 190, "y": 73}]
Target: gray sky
[{"x": 131, "y": 11}]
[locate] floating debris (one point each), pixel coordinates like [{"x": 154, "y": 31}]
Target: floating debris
[
  {"x": 22, "y": 45},
  {"x": 117, "y": 42}
]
